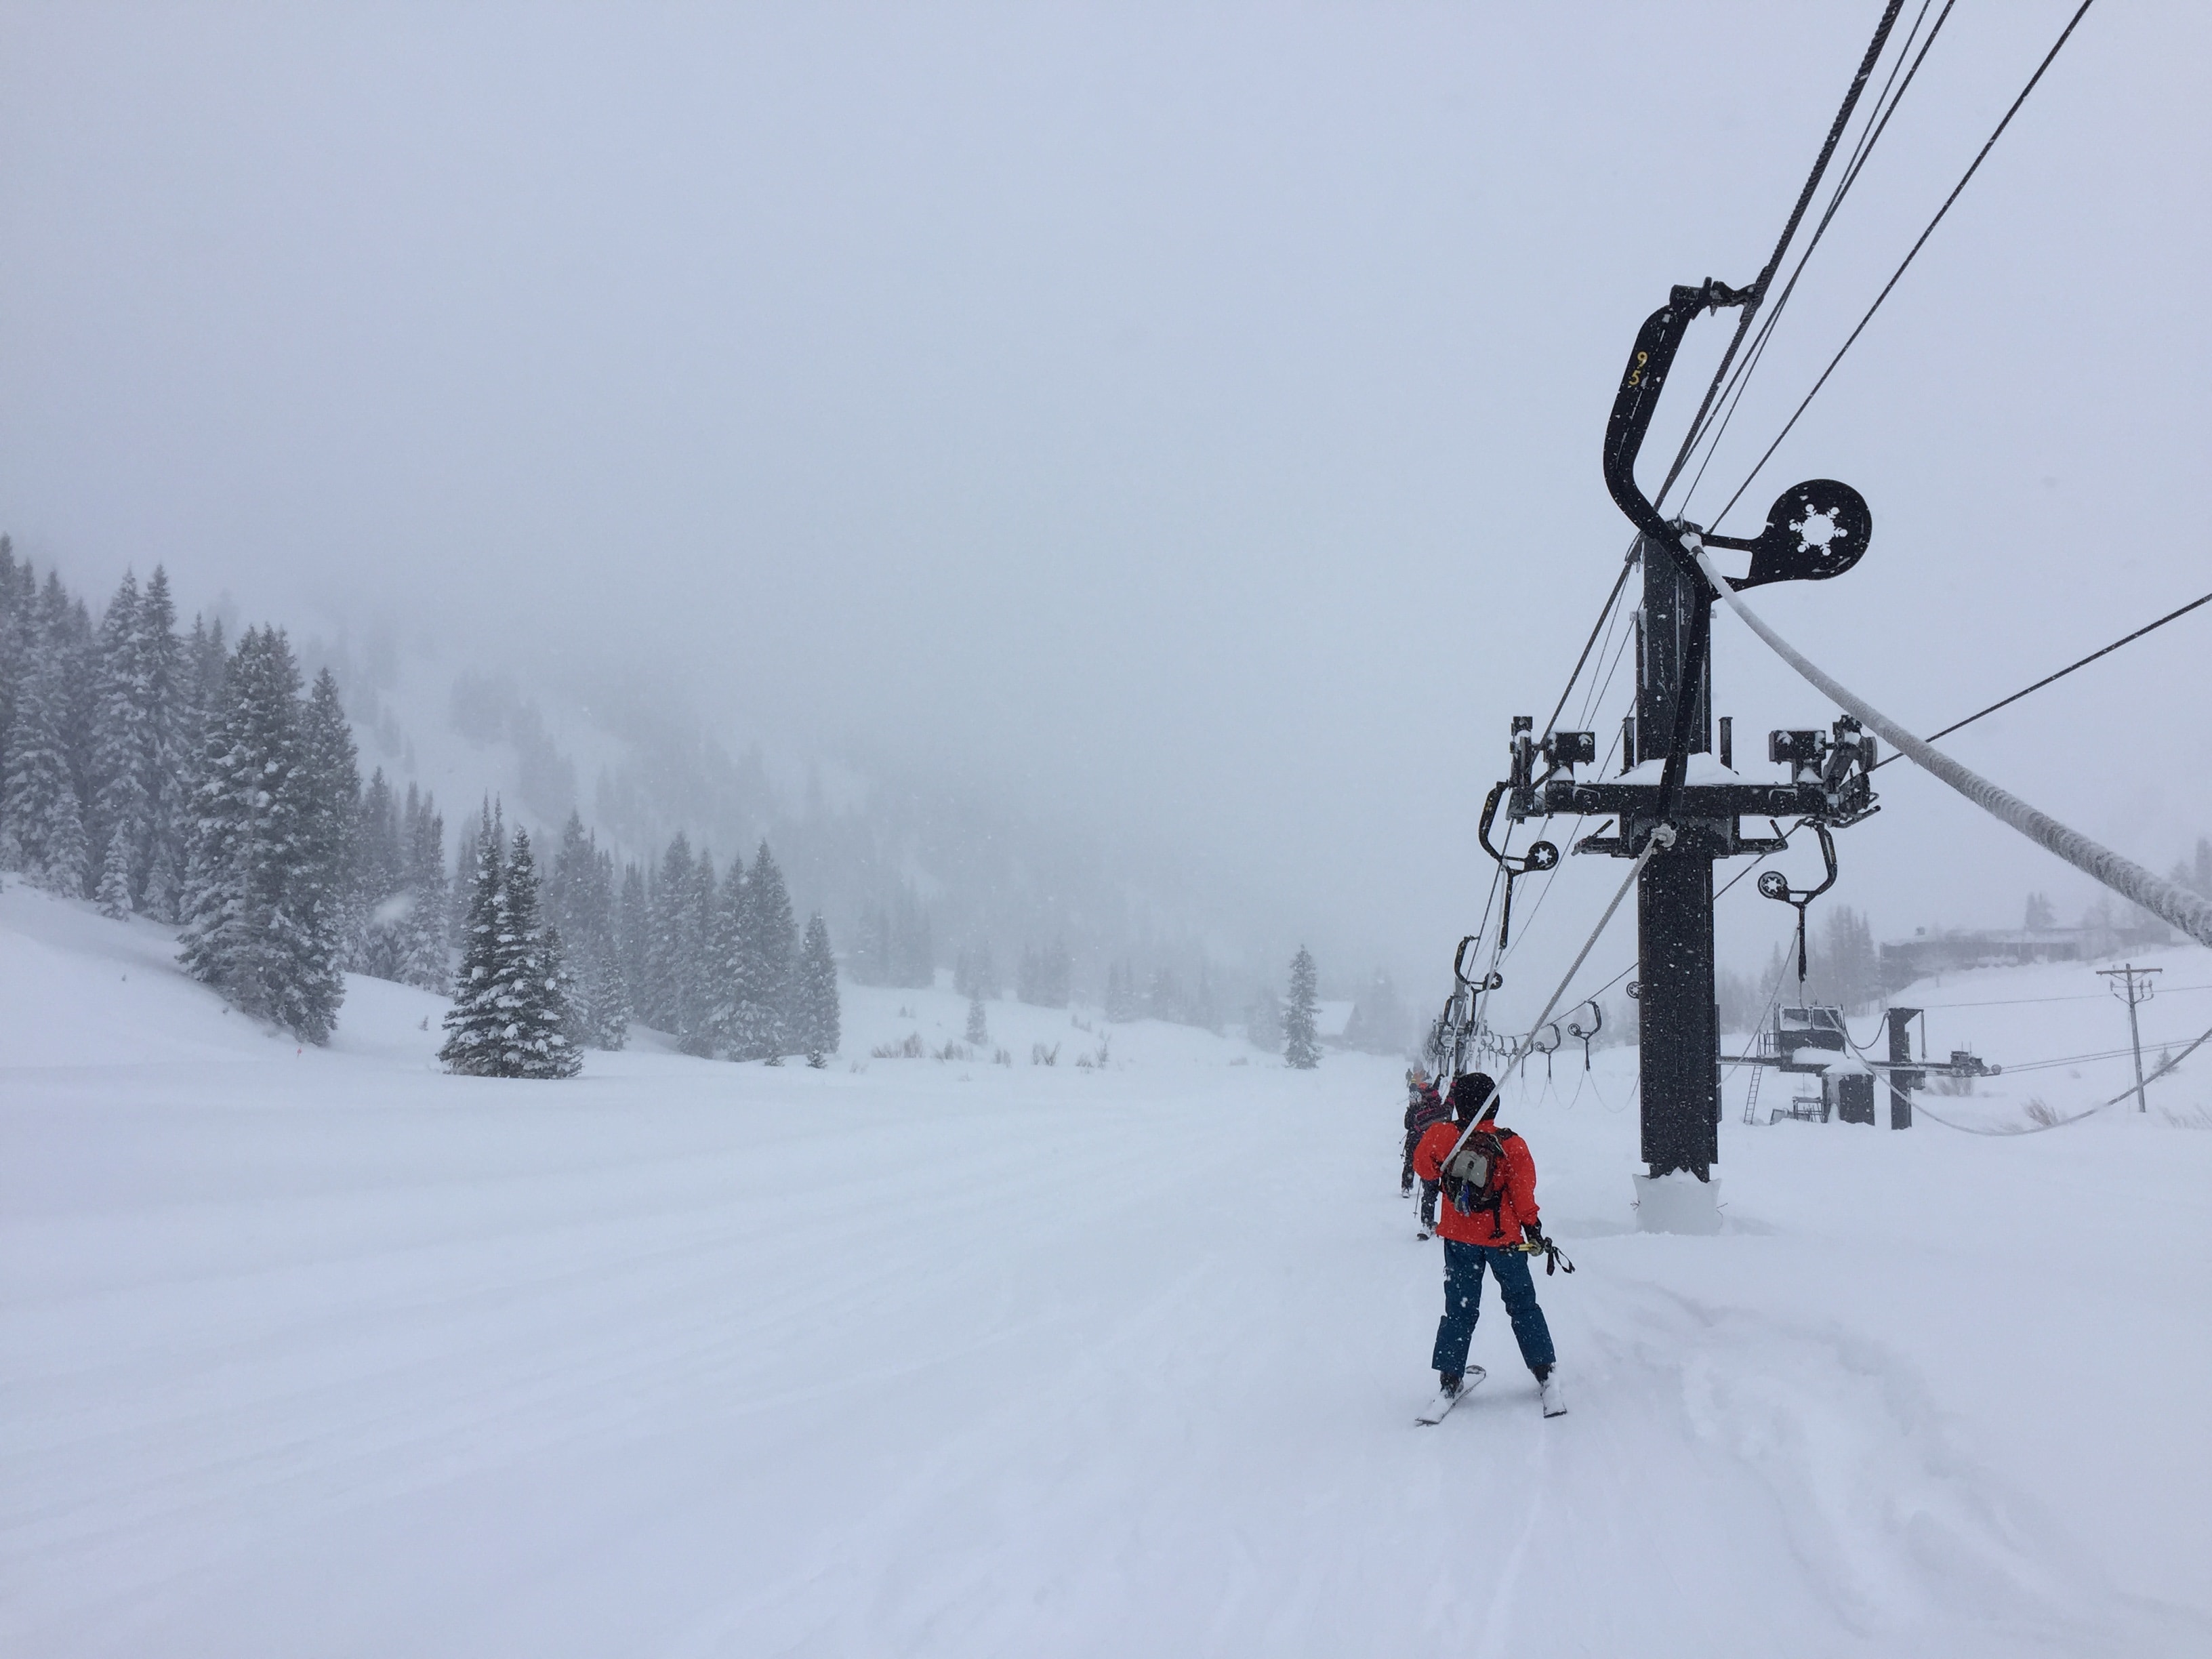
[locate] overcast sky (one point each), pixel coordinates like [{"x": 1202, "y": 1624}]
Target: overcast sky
[{"x": 1188, "y": 416}]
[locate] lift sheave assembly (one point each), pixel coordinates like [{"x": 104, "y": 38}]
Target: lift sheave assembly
[{"x": 1815, "y": 531}]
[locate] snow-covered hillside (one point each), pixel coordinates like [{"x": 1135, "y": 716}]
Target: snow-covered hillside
[{"x": 326, "y": 1352}]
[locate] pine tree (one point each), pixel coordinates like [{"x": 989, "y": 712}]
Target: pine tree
[
  {"x": 610, "y": 995},
  {"x": 166, "y": 758},
  {"x": 761, "y": 992},
  {"x": 1301, "y": 1042},
  {"x": 380, "y": 883},
  {"x": 530, "y": 976},
  {"x": 818, "y": 1017},
  {"x": 19, "y": 595},
  {"x": 114, "y": 894},
  {"x": 580, "y": 903},
  {"x": 322, "y": 898},
  {"x": 699, "y": 956},
  {"x": 66, "y": 628},
  {"x": 476, "y": 1024},
  {"x": 201, "y": 696},
  {"x": 259, "y": 923},
  {"x": 120, "y": 820},
  {"x": 425, "y": 958},
  {"x": 634, "y": 934},
  {"x": 42, "y": 830},
  {"x": 978, "y": 1032},
  {"x": 669, "y": 926}
]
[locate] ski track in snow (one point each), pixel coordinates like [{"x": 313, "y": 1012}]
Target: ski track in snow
[{"x": 328, "y": 1354}]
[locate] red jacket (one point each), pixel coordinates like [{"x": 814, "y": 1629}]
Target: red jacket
[{"x": 1515, "y": 1209}]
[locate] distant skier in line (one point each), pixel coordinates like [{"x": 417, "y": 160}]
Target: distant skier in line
[
  {"x": 1424, "y": 1108},
  {"x": 1489, "y": 1221}
]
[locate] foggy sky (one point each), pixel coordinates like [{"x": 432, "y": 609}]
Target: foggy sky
[{"x": 1186, "y": 418}]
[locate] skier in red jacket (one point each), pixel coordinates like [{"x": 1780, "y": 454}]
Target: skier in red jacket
[{"x": 1489, "y": 1220}]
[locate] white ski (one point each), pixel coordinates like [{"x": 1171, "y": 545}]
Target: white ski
[
  {"x": 1443, "y": 1402},
  {"x": 1555, "y": 1402}
]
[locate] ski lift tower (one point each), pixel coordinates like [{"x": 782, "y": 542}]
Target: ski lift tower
[{"x": 1670, "y": 778}]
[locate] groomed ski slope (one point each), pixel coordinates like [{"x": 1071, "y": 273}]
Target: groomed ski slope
[{"x": 325, "y": 1353}]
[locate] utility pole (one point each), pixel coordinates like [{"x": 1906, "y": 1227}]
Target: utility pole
[{"x": 2128, "y": 974}]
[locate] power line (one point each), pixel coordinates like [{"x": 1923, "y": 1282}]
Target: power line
[
  {"x": 2022, "y": 1002},
  {"x": 2048, "y": 679},
  {"x": 2064, "y": 35}
]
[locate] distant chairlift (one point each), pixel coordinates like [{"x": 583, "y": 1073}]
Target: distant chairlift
[{"x": 1812, "y": 1042}]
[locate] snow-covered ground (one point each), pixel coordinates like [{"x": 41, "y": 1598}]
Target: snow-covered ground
[{"x": 325, "y": 1352}]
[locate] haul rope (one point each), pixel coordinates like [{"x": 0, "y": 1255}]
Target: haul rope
[{"x": 2169, "y": 901}]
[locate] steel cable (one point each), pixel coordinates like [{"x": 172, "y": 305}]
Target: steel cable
[{"x": 1912, "y": 254}]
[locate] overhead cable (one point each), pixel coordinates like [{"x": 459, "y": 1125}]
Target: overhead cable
[
  {"x": 2048, "y": 679},
  {"x": 1885, "y": 104},
  {"x": 1758, "y": 291},
  {"x": 1604, "y": 615},
  {"x": 2163, "y": 1067},
  {"x": 1981, "y": 156},
  {"x": 2169, "y": 901}
]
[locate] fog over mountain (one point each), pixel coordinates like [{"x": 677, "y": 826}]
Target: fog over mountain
[{"x": 1148, "y": 452}]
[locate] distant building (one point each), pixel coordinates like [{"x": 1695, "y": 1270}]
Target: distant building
[{"x": 1955, "y": 949}]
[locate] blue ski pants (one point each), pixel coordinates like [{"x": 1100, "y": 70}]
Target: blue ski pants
[{"x": 1463, "y": 1266}]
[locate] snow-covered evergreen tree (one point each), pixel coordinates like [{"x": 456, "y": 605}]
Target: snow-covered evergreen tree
[
  {"x": 580, "y": 903},
  {"x": 425, "y": 958},
  {"x": 817, "y": 1019},
  {"x": 322, "y": 896},
  {"x": 380, "y": 882},
  {"x": 634, "y": 935},
  {"x": 19, "y": 596},
  {"x": 979, "y": 1029},
  {"x": 761, "y": 989},
  {"x": 42, "y": 828},
  {"x": 1301, "y": 1014},
  {"x": 530, "y": 977},
  {"x": 67, "y": 633},
  {"x": 120, "y": 819},
  {"x": 259, "y": 924},
  {"x": 670, "y": 909},
  {"x": 114, "y": 890},
  {"x": 166, "y": 757},
  {"x": 476, "y": 1024},
  {"x": 611, "y": 1011},
  {"x": 699, "y": 995}
]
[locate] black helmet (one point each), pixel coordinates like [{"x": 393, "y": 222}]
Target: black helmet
[{"x": 1468, "y": 1093}]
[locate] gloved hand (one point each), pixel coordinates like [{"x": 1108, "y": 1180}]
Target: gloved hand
[{"x": 1532, "y": 1238}]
